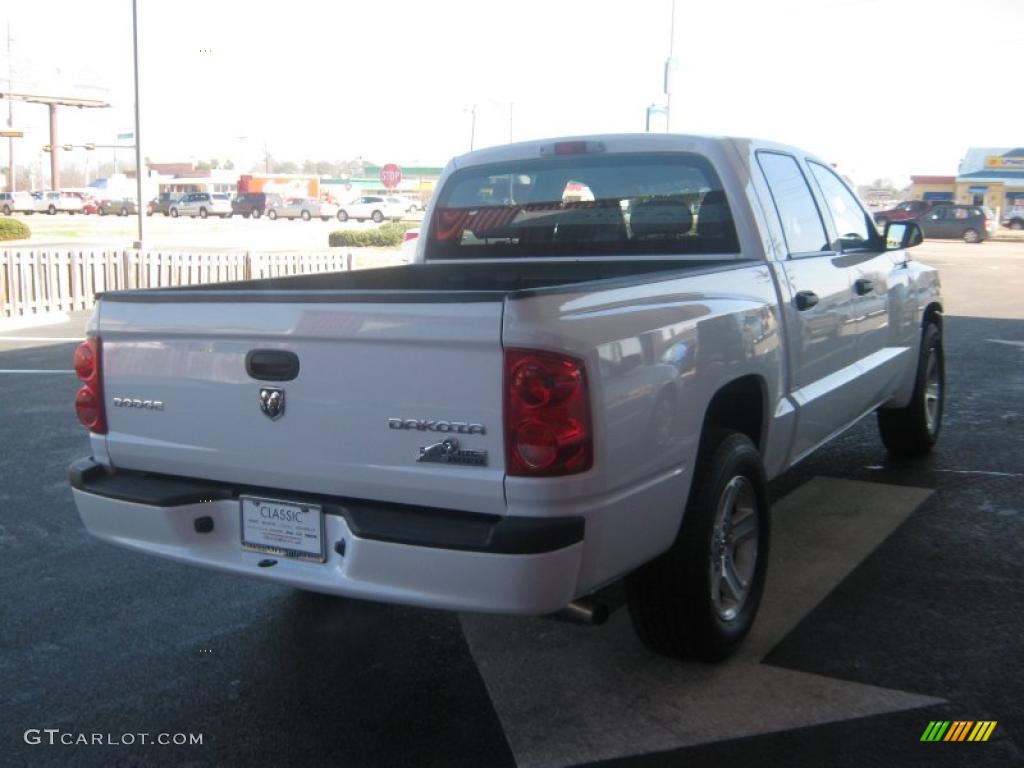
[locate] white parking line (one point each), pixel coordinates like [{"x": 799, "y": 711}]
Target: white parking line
[
  {"x": 590, "y": 694},
  {"x": 31, "y": 370}
]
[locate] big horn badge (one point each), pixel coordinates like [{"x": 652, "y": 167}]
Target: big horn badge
[{"x": 272, "y": 402}]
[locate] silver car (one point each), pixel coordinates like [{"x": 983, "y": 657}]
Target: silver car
[
  {"x": 303, "y": 208},
  {"x": 202, "y": 204}
]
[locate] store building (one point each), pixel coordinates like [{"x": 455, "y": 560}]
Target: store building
[{"x": 991, "y": 176}]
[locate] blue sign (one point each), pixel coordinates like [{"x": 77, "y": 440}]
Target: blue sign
[
  {"x": 938, "y": 195},
  {"x": 977, "y": 190}
]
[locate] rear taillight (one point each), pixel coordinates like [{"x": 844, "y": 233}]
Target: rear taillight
[
  {"x": 89, "y": 399},
  {"x": 547, "y": 415}
]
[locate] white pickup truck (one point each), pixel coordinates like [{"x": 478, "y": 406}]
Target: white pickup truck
[{"x": 604, "y": 350}]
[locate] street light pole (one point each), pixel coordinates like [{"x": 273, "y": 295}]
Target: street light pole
[
  {"x": 11, "y": 184},
  {"x": 139, "y": 170}
]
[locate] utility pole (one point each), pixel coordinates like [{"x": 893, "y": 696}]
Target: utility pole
[
  {"x": 140, "y": 204},
  {"x": 266, "y": 157},
  {"x": 472, "y": 128},
  {"x": 670, "y": 65},
  {"x": 510, "y": 107},
  {"x": 11, "y": 183}
]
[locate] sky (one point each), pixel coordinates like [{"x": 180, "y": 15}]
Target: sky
[{"x": 882, "y": 88}]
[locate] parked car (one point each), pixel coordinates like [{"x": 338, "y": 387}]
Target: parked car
[
  {"x": 303, "y": 208},
  {"x": 410, "y": 204},
  {"x": 89, "y": 205},
  {"x": 553, "y": 396},
  {"x": 52, "y": 202},
  {"x": 1013, "y": 217},
  {"x": 254, "y": 204},
  {"x": 971, "y": 223},
  {"x": 909, "y": 209},
  {"x": 202, "y": 204},
  {"x": 161, "y": 204},
  {"x": 122, "y": 206},
  {"x": 372, "y": 207},
  {"x": 17, "y": 202}
]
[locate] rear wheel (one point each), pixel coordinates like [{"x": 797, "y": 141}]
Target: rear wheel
[
  {"x": 272, "y": 215},
  {"x": 699, "y": 599},
  {"x": 202, "y": 213},
  {"x": 913, "y": 430},
  {"x": 342, "y": 216},
  {"x": 7, "y": 210},
  {"x": 123, "y": 212},
  {"x": 305, "y": 216},
  {"x": 377, "y": 217},
  {"x": 174, "y": 213},
  {"x": 52, "y": 210},
  {"x": 971, "y": 236},
  {"x": 255, "y": 213},
  {"x": 1017, "y": 224}
]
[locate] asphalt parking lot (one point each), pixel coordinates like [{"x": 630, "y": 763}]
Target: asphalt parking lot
[{"x": 894, "y": 600}]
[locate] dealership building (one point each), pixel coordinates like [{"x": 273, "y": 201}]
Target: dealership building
[{"x": 992, "y": 176}]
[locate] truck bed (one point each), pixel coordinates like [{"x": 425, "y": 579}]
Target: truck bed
[{"x": 432, "y": 282}]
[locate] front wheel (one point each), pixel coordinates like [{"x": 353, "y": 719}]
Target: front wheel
[
  {"x": 255, "y": 213},
  {"x": 699, "y": 599},
  {"x": 174, "y": 213},
  {"x": 913, "y": 430},
  {"x": 7, "y": 210},
  {"x": 971, "y": 236},
  {"x": 272, "y": 215},
  {"x": 123, "y": 212},
  {"x": 202, "y": 213},
  {"x": 377, "y": 217},
  {"x": 305, "y": 216},
  {"x": 1017, "y": 224},
  {"x": 342, "y": 216},
  {"x": 52, "y": 210}
]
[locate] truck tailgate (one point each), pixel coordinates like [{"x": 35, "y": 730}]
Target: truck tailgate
[{"x": 361, "y": 364}]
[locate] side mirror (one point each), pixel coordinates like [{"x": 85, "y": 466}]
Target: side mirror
[{"x": 902, "y": 234}]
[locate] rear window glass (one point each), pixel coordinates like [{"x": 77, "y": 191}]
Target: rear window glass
[{"x": 578, "y": 205}]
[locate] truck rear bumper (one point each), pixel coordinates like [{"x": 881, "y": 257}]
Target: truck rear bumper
[{"x": 415, "y": 556}]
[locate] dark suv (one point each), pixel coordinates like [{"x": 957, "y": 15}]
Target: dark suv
[
  {"x": 909, "y": 209},
  {"x": 254, "y": 204},
  {"x": 161, "y": 204},
  {"x": 972, "y": 223}
]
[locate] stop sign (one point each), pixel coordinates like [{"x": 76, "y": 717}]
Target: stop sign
[{"x": 390, "y": 176}]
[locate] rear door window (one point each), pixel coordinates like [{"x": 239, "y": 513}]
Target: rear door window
[
  {"x": 583, "y": 205},
  {"x": 851, "y": 222},
  {"x": 798, "y": 213}
]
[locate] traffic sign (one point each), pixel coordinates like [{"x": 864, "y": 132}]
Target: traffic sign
[
  {"x": 12, "y": 134},
  {"x": 390, "y": 176}
]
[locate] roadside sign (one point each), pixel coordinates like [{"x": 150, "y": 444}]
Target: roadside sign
[
  {"x": 390, "y": 176},
  {"x": 12, "y": 134}
]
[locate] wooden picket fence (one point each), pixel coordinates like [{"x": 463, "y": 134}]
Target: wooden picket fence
[{"x": 41, "y": 281}]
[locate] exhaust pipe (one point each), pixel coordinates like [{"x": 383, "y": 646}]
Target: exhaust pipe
[{"x": 586, "y": 610}]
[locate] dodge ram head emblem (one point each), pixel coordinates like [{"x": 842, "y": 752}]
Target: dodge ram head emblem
[{"x": 272, "y": 402}]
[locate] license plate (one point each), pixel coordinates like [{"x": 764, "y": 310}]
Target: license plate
[{"x": 282, "y": 528}]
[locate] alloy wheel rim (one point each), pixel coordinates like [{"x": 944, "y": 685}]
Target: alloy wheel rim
[
  {"x": 734, "y": 544},
  {"x": 932, "y": 393}
]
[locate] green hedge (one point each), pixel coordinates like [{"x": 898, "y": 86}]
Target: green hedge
[
  {"x": 12, "y": 229},
  {"x": 385, "y": 236}
]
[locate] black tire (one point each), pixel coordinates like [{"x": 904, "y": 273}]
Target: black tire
[
  {"x": 305, "y": 215},
  {"x": 912, "y": 431},
  {"x": 101, "y": 211},
  {"x": 7, "y": 210},
  {"x": 377, "y": 217},
  {"x": 202, "y": 213},
  {"x": 174, "y": 213},
  {"x": 255, "y": 213},
  {"x": 123, "y": 211},
  {"x": 52, "y": 210},
  {"x": 971, "y": 235},
  {"x": 272, "y": 215},
  {"x": 342, "y": 216},
  {"x": 1017, "y": 224},
  {"x": 674, "y": 608},
  {"x": 325, "y": 218}
]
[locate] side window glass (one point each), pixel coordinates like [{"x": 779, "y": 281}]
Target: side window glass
[
  {"x": 798, "y": 213},
  {"x": 850, "y": 220}
]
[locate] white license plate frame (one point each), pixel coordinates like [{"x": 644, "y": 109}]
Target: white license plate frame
[{"x": 288, "y": 533}]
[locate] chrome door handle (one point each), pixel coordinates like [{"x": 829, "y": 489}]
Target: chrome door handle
[
  {"x": 863, "y": 286},
  {"x": 805, "y": 300}
]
